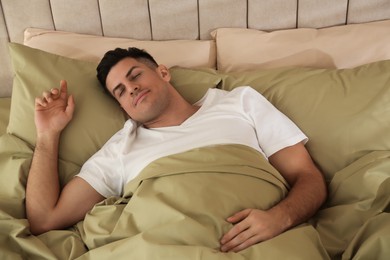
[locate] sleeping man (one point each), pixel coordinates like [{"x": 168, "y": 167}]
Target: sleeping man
[{"x": 162, "y": 123}]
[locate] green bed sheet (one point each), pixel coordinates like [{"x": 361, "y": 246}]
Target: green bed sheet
[{"x": 176, "y": 209}]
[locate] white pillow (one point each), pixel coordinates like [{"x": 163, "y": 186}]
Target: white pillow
[
  {"x": 340, "y": 47},
  {"x": 183, "y": 53}
]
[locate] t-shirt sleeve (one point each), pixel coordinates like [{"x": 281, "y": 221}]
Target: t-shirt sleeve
[
  {"x": 103, "y": 171},
  {"x": 274, "y": 129}
]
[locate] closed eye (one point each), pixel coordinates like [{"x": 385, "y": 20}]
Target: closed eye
[
  {"x": 135, "y": 76},
  {"x": 121, "y": 91}
]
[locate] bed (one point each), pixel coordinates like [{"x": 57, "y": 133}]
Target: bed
[{"x": 325, "y": 64}]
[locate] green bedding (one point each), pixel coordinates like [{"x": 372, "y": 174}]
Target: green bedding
[
  {"x": 176, "y": 209},
  {"x": 345, "y": 114},
  {"x": 355, "y": 222},
  {"x": 5, "y": 104}
]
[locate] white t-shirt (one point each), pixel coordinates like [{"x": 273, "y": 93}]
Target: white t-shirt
[{"x": 241, "y": 116}]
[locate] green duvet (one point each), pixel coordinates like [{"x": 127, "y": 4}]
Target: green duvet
[{"x": 176, "y": 209}]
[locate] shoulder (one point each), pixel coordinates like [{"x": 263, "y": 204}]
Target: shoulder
[
  {"x": 238, "y": 95},
  {"x": 116, "y": 141},
  {"x": 212, "y": 95},
  {"x": 247, "y": 95},
  {"x": 246, "y": 91},
  {"x": 237, "y": 91}
]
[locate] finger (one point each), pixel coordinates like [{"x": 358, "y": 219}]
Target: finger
[
  {"x": 234, "y": 231},
  {"x": 47, "y": 96},
  {"x": 247, "y": 243},
  {"x": 55, "y": 92},
  {"x": 64, "y": 88},
  {"x": 40, "y": 102},
  {"x": 239, "y": 216},
  {"x": 70, "y": 107},
  {"x": 238, "y": 240}
]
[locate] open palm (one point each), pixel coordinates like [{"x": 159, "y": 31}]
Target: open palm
[{"x": 54, "y": 110}]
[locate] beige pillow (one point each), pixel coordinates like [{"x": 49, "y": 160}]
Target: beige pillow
[
  {"x": 97, "y": 116},
  {"x": 335, "y": 47},
  {"x": 345, "y": 113},
  {"x": 184, "y": 53}
]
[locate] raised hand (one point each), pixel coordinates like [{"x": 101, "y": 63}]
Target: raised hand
[{"x": 54, "y": 110}]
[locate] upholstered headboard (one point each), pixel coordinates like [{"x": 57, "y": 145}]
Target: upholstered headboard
[{"x": 172, "y": 19}]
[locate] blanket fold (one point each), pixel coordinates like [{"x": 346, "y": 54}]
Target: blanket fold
[
  {"x": 358, "y": 194},
  {"x": 177, "y": 209}
]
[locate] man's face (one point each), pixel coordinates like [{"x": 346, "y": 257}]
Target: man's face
[{"x": 141, "y": 91}]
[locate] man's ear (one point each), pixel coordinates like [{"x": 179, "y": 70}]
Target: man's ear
[{"x": 164, "y": 73}]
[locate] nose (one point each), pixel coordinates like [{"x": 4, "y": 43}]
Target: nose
[{"x": 132, "y": 89}]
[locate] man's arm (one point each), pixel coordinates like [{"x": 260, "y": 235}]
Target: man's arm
[
  {"x": 46, "y": 206},
  {"x": 308, "y": 192}
]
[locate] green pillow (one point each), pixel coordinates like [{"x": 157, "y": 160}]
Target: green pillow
[
  {"x": 97, "y": 116},
  {"x": 5, "y": 104},
  {"x": 345, "y": 112},
  {"x": 193, "y": 84}
]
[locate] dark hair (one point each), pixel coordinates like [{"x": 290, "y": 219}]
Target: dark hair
[{"x": 114, "y": 56}]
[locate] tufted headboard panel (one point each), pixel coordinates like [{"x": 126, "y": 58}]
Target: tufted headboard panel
[{"x": 172, "y": 19}]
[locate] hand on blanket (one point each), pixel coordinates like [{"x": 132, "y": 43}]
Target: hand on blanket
[
  {"x": 53, "y": 110},
  {"x": 251, "y": 227}
]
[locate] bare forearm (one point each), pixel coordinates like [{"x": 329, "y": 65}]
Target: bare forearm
[
  {"x": 43, "y": 189},
  {"x": 307, "y": 193},
  {"x": 308, "y": 189},
  {"x": 302, "y": 202}
]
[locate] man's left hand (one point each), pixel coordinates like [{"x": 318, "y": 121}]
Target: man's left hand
[{"x": 251, "y": 226}]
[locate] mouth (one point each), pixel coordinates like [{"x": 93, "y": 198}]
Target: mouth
[{"x": 141, "y": 95}]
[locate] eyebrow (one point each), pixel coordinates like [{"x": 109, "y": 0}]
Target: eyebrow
[{"x": 120, "y": 84}]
